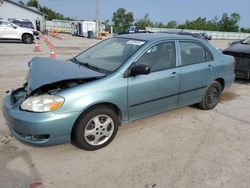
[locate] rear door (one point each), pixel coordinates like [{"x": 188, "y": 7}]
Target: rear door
[
  {"x": 196, "y": 71},
  {"x": 157, "y": 91}
]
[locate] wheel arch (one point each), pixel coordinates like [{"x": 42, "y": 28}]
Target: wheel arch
[
  {"x": 222, "y": 82},
  {"x": 116, "y": 109},
  {"x": 26, "y": 33}
]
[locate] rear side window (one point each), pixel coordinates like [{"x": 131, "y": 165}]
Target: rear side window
[
  {"x": 6, "y": 24},
  {"x": 159, "y": 57},
  {"x": 192, "y": 53}
]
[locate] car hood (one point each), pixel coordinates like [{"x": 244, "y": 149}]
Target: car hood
[
  {"x": 238, "y": 48},
  {"x": 44, "y": 71},
  {"x": 26, "y": 29}
]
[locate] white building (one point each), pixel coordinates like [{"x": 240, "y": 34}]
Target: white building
[{"x": 12, "y": 10}]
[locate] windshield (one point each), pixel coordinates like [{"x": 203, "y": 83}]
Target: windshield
[
  {"x": 109, "y": 54},
  {"x": 246, "y": 41}
]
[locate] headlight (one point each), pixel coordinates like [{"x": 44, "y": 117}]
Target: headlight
[{"x": 42, "y": 103}]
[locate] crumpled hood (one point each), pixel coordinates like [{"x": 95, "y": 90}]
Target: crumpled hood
[
  {"x": 43, "y": 71},
  {"x": 238, "y": 48}
]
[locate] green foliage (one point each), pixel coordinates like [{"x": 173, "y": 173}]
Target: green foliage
[
  {"x": 122, "y": 19},
  {"x": 245, "y": 30},
  {"x": 172, "y": 24},
  {"x": 33, "y": 3},
  {"x": 229, "y": 23},
  {"x": 226, "y": 23},
  {"x": 49, "y": 12},
  {"x": 144, "y": 22}
]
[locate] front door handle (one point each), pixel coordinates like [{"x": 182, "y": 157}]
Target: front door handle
[{"x": 174, "y": 75}]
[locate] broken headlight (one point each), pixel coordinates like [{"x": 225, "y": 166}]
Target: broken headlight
[{"x": 42, "y": 103}]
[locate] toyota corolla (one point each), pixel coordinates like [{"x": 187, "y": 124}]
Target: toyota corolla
[{"x": 84, "y": 100}]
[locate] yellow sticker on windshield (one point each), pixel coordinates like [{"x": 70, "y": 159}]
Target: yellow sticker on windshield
[{"x": 135, "y": 42}]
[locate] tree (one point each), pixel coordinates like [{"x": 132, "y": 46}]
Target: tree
[
  {"x": 159, "y": 25},
  {"x": 144, "y": 22},
  {"x": 172, "y": 24},
  {"x": 244, "y": 30},
  {"x": 33, "y": 3},
  {"x": 122, "y": 19},
  {"x": 51, "y": 14},
  {"x": 227, "y": 23}
]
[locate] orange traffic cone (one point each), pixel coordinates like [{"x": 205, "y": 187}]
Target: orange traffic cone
[
  {"x": 37, "y": 47},
  {"x": 51, "y": 46},
  {"x": 48, "y": 41},
  {"x": 52, "y": 54}
]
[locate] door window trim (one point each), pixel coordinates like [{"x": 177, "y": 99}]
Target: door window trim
[
  {"x": 197, "y": 42},
  {"x": 152, "y": 45}
]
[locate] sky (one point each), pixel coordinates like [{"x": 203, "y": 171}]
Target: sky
[{"x": 158, "y": 10}]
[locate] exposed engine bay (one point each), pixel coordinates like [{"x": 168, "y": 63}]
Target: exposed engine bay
[{"x": 53, "y": 88}]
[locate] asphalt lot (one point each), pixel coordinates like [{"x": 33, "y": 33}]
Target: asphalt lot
[{"x": 186, "y": 147}]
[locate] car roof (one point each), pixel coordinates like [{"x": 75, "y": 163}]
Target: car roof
[{"x": 154, "y": 36}]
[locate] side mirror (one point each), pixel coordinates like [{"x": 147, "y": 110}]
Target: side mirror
[
  {"x": 139, "y": 70},
  {"x": 14, "y": 27}
]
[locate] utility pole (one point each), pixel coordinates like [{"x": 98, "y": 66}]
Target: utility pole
[{"x": 97, "y": 19}]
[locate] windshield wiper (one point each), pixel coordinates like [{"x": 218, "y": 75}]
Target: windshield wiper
[
  {"x": 85, "y": 64},
  {"x": 90, "y": 66}
]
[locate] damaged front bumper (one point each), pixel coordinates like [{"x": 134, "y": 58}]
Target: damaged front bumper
[{"x": 40, "y": 129}]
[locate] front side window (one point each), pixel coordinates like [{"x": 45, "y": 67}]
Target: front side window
[
  {"x": 109, "y": 54},
  {"x": 159, "y": 57},
  {"x": 192, "y": 53}
]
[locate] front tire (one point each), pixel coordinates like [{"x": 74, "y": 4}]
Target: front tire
[
  {"x": 95, "y": 129},
  {"x": 27, "y": 38},
  {"x": 211, "y": 97}
]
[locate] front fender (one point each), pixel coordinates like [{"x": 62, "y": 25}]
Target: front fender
[{"x": 106, "y": 90}]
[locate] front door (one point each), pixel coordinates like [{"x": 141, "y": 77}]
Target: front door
[{"x": 157, "y": 91}]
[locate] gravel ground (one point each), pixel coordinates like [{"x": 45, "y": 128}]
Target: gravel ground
[{"x": 186, "y": 147}]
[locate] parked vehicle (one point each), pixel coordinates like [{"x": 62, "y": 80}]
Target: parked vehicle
[
  {"x": 12, "y": 31},
  {"x": 206, "y": 36},
  {"x": 132, "y": 30},
  {"x": 241, "y": 52},
  {"x": 25, "y": 23},
  {"x": 86, "y": 98}
]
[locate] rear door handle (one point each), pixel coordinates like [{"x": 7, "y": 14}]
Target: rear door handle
[
  {"x": 174, "y": 75},
  {"x": 210, "y": 67}
]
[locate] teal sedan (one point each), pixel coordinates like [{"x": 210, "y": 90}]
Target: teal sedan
[{"x": 85, "y": 99}]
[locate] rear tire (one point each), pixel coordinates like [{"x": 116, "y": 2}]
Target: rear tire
[
  {"x": 96, "y": 128},
  {"x": 211, "y": 97},
  {"x": 27, "y": 38}
]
